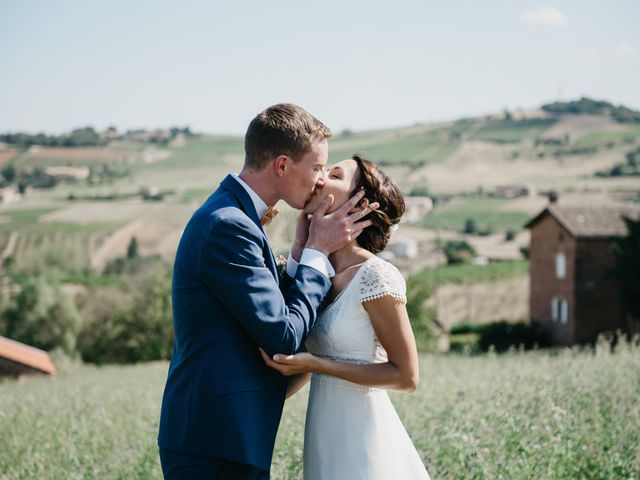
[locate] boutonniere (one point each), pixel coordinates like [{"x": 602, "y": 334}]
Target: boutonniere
[{"x": 281, "y": 264}]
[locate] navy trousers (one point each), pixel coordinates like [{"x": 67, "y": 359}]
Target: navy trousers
[{"x": 179, "y": 466}]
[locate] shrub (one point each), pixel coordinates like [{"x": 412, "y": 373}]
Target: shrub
[
  {"x": 458, "y": 251},
  {"x": 469, "y": 226},
  {"x": 466, "y": 328},
  {"x": 123, "y": 327},
  {"x": 43, "y": 316},
  {"x": 423, "y": 319},
  {"x": 503, "y": 335}
]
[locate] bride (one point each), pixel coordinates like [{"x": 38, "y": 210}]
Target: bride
[{"x": 362, "y": 345}]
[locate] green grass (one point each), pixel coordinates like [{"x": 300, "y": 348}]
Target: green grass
[
  {"x": 468, "y": 274},
  {"x": 544, "y": 414},
  {"x": 205, "y": 151},
  {"x": 17, "y": 219},
  {"x": 510, "y": 131},
  {"x": 486, "y": 211},
  {"x": 632, "y": 132},
  {"x": 413, "y": 149}
]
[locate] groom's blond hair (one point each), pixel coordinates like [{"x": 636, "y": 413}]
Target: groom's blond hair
[{"x": 282, "y": 129}]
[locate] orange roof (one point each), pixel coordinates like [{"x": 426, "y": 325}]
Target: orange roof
[{"x": 26, "y": 355}]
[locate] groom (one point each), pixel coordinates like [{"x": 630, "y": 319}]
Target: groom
[{"x": 222, "y": 404}]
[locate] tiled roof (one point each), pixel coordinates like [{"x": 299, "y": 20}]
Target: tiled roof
[
  {"x": 25, "y": 355},
  {"x": 590, "y": 221}
]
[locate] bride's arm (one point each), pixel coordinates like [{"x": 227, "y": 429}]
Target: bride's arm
[{"x": 391, "y": 323}]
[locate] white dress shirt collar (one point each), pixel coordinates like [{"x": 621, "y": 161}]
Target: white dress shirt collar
[{"x": 258, "y": 203}]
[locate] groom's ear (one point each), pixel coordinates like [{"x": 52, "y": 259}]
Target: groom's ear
[{"x": 281, "y": 163}]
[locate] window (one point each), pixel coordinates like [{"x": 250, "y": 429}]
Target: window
[
  {"x": 564, "y": 311},
  {"x": 559, "y": 310},
  {"x": 554, "y": 309},
  {"x": 561, "y": 265}
]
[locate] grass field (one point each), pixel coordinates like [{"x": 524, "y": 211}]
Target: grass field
[
  {"x": 468, "y": 274},
  {"x": 630, "y": 133},
  {"x": 487, "y": 212},
  {"x": 205, "y": 151},
  {"x": 544, "y": 414},
  {"x": 409, "y": 149},
  {"x": 509, "y": 131}
]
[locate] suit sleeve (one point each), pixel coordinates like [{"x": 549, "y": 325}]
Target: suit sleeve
[{"x": 233, "y": 268}]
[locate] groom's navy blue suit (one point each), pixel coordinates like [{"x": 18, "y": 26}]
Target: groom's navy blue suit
[{"x": 220, "y": 399}]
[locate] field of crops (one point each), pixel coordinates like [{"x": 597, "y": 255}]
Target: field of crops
[
  {"x": 544, "y": 414},
  {"x": 39, "y": 246},
  {"x": 486, "y": 212},
  {"x": 508, "y": 131}
]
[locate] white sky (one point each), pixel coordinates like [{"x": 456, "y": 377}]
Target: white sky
[{"x": 353, "y": 64}]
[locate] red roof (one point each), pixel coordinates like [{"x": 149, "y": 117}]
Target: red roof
[{"x": 26, "y": 355}]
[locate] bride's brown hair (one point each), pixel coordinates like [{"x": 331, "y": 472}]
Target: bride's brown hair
[{"x": 378, "y": 188}]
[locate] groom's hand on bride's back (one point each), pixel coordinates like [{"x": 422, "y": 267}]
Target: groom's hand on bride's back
[{"x": 330, "y": 232}]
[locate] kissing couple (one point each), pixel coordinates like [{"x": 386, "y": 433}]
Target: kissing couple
[{"x": 245, "y": 339}]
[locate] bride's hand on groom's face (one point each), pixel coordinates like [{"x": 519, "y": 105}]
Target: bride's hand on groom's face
[
  {"x": 330, "y": 232},
  {"x": 289, "y": 364}
]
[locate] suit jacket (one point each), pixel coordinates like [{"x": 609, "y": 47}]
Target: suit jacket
[{"x": 220, "y": 398}]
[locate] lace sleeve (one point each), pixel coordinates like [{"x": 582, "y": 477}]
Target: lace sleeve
[{"x": 380, "y": 278}]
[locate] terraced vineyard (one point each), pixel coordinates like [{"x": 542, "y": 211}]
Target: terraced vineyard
[{"x": 35, "y": 247}]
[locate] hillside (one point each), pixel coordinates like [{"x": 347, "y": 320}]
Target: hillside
[{"x": 564, "y": 147}]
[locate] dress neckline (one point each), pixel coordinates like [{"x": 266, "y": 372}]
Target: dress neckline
[{"x": 335, "y": 300}]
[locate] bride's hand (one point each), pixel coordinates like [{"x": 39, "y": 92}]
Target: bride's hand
[{"x": 290, "y": 364}]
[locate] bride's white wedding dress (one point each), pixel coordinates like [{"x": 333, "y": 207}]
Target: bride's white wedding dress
[{"x": 353, "y": 432}]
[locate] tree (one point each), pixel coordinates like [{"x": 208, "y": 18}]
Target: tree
[
  {"x": 9, "y": 173},
  {"x": 44, "y": 316},
  {"x": 124, "y": 327},
  {"x": 132, "y": 250},
  {"x": 627, "y": 267},
  {"x": 469, "y": 226},
  {"x": 458, "y": 251}
]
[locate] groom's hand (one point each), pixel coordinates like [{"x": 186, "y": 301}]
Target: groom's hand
[
  {"x": 302, "y": 235},
  {"x": 329, "y": 233},
  {"x": 302, "y": 362}
]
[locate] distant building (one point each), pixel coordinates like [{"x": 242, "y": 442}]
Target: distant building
[
  {"x": 513, "y": 191},
  {"x": 572, "y": 295},
  {"x": 178, "y": 141},
  {"x": 403, "y": 247},
  {"x": 18, "y": 359},
  {"x": 416, "y": 208},
  {"x": 68, "y": 173},
  {"x": 9, "y": 195},
  {"x": 145, "y": 136},
  {"x": 149, "y": 191}
]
